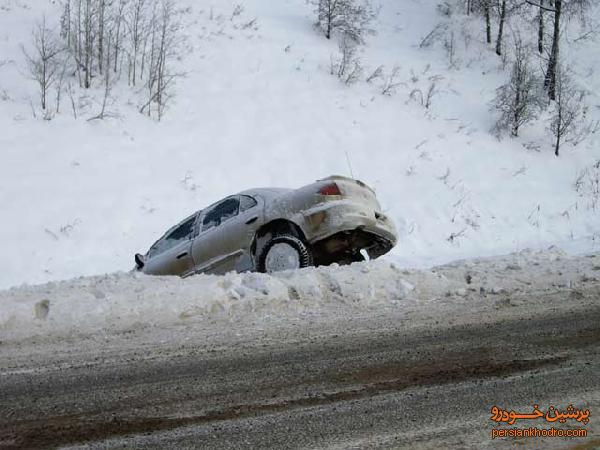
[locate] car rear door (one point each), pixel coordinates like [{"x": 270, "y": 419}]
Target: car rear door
[
  {"x": 238, "y": 232},
  {"x": 225, "y": 231}
]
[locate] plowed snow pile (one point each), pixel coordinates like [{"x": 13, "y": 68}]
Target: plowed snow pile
[{"x": 131, "y": 301}]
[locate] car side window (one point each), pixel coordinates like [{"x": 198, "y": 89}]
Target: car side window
[
  {"x": 220, "y": 213},
  {"x": 178, "y": 234},
  {"x": 247, "y": 202},
  {"x": 182, "y": 232}
]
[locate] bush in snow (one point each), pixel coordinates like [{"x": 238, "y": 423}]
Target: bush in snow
[
  {"x": 43, "y": 62},
  {"x": 518, "y": 99},
  {"x": 352, "y": 18}
]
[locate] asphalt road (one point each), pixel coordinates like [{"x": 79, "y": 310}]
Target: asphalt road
[{"x": 382, "y": 381}]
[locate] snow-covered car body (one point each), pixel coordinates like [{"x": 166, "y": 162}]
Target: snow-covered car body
[{"x": 328, "y": 221}]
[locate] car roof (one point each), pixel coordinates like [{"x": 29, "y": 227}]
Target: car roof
[{"x": 266, "y": 193}]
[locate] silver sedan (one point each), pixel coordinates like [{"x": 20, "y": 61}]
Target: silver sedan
[{"x": 336, "y": 219}]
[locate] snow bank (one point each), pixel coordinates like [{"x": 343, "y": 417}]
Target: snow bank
[{"x": 131, "y": 300}]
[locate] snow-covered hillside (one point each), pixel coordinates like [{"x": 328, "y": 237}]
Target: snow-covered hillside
[{"x": 258, "y": 107}]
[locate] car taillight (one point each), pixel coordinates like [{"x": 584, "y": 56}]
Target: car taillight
[{"x": 330, "y": 189}]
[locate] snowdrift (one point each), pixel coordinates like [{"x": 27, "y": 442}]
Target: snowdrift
[{"x": 123, "y": 302}]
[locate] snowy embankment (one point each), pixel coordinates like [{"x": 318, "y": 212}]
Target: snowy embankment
[
  {"x": 258, "y": 107},
  {"x": 132, "y": 302}
]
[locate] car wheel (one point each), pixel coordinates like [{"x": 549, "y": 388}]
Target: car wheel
[{"x": 284, "y": 252}]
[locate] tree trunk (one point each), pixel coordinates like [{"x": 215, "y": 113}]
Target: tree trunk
[
  {"x": 101, "y": 8},
  {"x": 541, "y": 28},
  {"x": 501, "y": 28},
  {"x": 488, "y": 24},
  {"x": 88, "y": 44},
  {"x": 559, "y": 126},
  {"x": 515, "y": 130},
  {"x": 550, "y": 80}
]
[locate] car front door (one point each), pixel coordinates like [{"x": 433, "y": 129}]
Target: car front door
[
  {"x": 173, "y": 254},
  {"x": 225, "y": 232}
]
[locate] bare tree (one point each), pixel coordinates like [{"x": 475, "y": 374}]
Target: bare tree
[
  {"x": 100, "y": 34},
  {"x": 119, "y": 19},
  {"x": 571, "y": 8},
  {"x": 137, "y": 35},
  {"x": 550, "y": 79},
  {"x": 567, "y": 123},
  {"x": 164, "y": 46},
  {"x": 107, "y": 81},
  {"x": 43, "y": 62},
  {"x": 483, "y": 8},
  {"x": 518, "y": 99},
  {"x": 101, "y": 30},
  {"x": 541, "y": 27},
  {"x": 350, "y": 17},
  {"x": 488, "y": 20},
  {"x": 502, "y": 15}
]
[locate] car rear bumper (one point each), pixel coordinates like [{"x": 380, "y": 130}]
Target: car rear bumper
[{"x": 341, "y": 216}]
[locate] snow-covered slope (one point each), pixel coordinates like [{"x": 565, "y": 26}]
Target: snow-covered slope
[{"x": 258, "y": 107}]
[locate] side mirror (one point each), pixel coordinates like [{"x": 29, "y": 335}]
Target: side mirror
[{"x": 139, "y": 261}]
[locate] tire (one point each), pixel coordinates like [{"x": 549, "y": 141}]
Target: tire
[{"x": 274, "y": 252}]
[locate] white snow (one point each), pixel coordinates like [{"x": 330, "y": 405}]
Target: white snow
[
  {"x": 258, "y": 107},
  {"x": 127, "y": 302}
]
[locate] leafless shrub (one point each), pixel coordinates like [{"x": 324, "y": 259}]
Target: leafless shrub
[
  {"x": 347, "y": 67},
  {"x": 434, "y": 35},
  {"x": 237, "y": 11},
  {"x": 43, "y": 62},
  {"x": 253, "y": 24},
  {"x": 425, "y": 99},
  {"x": 431, "y": 91},
  {"x": 455, "y": 235},
  {"x": 377, "y": 73},
  {"x": 517, "y": 101},
  {"x": 391, "y": 82}
]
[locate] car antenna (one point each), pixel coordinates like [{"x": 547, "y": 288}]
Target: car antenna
[{"x": 349, "y": 164}]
